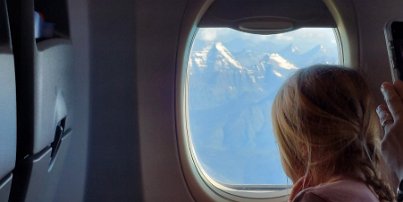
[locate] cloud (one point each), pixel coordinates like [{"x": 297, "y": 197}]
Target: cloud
[
  {"x": 284, "y": 37},
  {"x": 207, "y": 34}
]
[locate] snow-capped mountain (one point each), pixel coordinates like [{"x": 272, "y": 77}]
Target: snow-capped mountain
[
  {"x": 231, "y": 88},
  {"x": 216, "y": 75}
]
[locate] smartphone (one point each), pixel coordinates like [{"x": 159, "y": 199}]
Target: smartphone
[{"x": 394, "y": 42}]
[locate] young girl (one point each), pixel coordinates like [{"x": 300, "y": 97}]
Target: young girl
[{"x": 328, "y": 137}]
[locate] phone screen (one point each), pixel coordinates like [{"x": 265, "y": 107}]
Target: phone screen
[{"x": 397, "y": 47}]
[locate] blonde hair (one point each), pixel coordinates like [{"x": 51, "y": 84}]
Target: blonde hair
[{"x": 325, "y": 126}]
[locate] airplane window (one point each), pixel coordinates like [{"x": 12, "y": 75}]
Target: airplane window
[{"x": 232, "y": 80}]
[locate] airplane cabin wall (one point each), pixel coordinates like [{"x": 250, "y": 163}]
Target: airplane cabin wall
[
  {"x": 103, "y": 161},
  {"x": 372, "y": 18},
  {"x": 113, "y": 165},
  {"x": 125, "y": 54},
  {"x": 158, "y": 27}
]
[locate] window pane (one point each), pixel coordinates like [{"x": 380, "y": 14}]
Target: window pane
[{"x": 232, "y": 80}]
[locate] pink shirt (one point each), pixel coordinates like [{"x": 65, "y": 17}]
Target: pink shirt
[{"x": 344, "y": 190}]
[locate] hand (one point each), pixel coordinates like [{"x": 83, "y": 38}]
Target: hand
[{"x": 391, "y": 118}]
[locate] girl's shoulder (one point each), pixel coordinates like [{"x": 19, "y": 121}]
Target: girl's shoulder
[{"x": 339, "y": 191}]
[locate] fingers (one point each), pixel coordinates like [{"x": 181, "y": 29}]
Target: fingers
[
  {"x": 384, "y": 115},
  {"x": 392, "y": 98}
]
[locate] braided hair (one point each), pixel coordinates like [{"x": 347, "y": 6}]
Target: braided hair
[{"x": 325, "y": 125}]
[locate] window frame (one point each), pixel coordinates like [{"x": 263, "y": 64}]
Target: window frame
[
  {"x": 230, "y": 192},
  {"x": 200, "y": 188}
]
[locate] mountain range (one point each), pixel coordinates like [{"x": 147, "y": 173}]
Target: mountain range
[{"x": 231, "y": 88}]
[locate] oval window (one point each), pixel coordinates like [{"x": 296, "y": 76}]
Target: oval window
[{"x": 232, "y": 80}]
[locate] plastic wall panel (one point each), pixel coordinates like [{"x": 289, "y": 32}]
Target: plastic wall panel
[
  {"x": 71, "y": 186},
  {"x": 8, "y": 115},
  {"x": 5, "y": 188},
  {"x": 54, "y": 58},
  {"x": 158, "y": 26},
  {"x": 372, "y": 19},
  {"x": 44, "y": 179},
  {"x": 8, "y": 108},
  {"x": 113, "y": 172},
  {"x": 37, "y": 183}
]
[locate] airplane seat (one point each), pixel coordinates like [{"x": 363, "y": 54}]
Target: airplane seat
[
  {"x": 7, "y": 107},
  {"x": 43, "y": 57}
]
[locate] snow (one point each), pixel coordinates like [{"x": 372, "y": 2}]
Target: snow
[
  {"x": 278, "y": 74},
  {"x": 281, "y": 62},
  {"x": 201, "y": 57},
  {"x": 227, "y": 55}
]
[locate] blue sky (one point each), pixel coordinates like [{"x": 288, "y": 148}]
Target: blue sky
[
  {"x": 231, "y": 89},
  {"x": 305, "y": 38}
]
